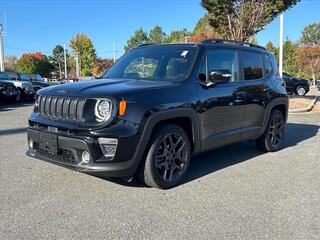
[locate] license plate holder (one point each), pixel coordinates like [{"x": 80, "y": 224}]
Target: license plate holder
[{"x": 48, "y": 142}]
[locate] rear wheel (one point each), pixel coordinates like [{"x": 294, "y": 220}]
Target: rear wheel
[
  {"x": 272, "y": 138},
  {"x": 168, "y": 158},
  {"x": 300, "y": 90},
  {"x": 21, "y": 96}
]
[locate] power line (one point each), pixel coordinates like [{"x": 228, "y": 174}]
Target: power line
[{"x": 25, "y": 50}]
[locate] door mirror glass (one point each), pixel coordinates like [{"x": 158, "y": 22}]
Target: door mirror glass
[{"x": 220, "y": 76}]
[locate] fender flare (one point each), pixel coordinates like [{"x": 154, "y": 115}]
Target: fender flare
[
  {"x": 275, "y": 102},
  {"x": 157, "y": 117}
]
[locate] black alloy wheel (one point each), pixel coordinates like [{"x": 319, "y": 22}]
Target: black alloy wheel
[
  {"x": 276, "y": 130},
  {"x": 273, "y": 136},
  {"x": 168, "y": 157},
  {"x": 171, "y": 157}
]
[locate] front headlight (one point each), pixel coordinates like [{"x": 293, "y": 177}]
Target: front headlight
[
  {"x": 24, "y": 85},
  {"x": 103, "y": 110}
]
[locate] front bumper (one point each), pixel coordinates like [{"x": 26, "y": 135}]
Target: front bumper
[
  {"x": 28, "y": 93},
  {"x": 70, "y": 149},
  {"x": 10, "y": 93}
]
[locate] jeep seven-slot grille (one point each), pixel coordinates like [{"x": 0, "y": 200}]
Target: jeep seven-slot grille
[{"x": 61, "y": 108}]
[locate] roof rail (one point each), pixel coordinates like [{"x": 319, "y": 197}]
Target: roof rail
[
  {"x": 145, "y": 44},
  {"x": 226, "y": 41}
]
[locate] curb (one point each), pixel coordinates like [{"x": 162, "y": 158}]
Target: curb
[{"x": 306, "y": 109}]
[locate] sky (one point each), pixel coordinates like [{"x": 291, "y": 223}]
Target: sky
[{"x": 39, "y": 25}]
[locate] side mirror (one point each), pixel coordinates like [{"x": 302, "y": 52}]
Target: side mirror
[{"x": 220, "y": 76}]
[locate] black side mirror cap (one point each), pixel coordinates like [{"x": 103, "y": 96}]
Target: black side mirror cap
[{"x": 220, "y": 76}]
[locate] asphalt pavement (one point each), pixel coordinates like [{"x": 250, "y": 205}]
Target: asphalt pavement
[{"x": 235, "y": 192}]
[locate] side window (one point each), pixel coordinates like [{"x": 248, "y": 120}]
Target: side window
[
  {"x": 266, "y": 64},
  {"x": 251, "y": 65},
  {"x": 225, "y": 60}
]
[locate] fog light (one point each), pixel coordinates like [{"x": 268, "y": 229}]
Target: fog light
[
  {"x": 108, "y": 147},
  {"x": 30, "y": 143},
  {"x": 85, "y": 157}
]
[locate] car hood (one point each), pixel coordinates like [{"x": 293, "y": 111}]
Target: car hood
[
  {"x": 19, "y": 83},
  {"x": 103, "y": 88}
]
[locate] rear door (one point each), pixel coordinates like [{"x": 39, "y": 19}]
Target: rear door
[{"x": 256, "y": 71}]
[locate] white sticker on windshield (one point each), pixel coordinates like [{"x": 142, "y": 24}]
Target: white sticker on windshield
[{"x": 184, "y": 53}]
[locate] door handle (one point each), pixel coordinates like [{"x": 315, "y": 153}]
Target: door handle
[
  {"x": 241, "y": 93},
  {"x": 239, "y": 97}
]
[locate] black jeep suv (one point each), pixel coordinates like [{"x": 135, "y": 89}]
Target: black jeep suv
[
  {"x": 294, "y": 85},
  {"x": 8, "y": 92},
  {"x": 158, "y": 106}
]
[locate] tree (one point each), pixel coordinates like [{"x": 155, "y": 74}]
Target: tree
[
  {"x": 309, "y": 60},
  {"x": 178, "y": 36},
  {"x": 290, "y": 61},
  {"x": 34, "y": 63},
  {"x": 202, "y": 36},
  {"x": 83, "y": 45},
  {"x": 156, "y": 35},
  {"x": 311, "y": 34},
  {"x": 203, "y": 27},
  {"x": 241, "y": 19},
  {"x": 57, "y": 59},
  {"x": 101, "y": 66},
  {"x": 203, "y": 30},
  {"x": 10, "y": 63},
  {"x": 253, "y": 40},
  {"x": 139, "y": 37},
  {"x": 271, "y": 48}
]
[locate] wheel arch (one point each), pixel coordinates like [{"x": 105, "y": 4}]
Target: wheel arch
[
  {"x": 279, "y": 103},
  {"x": 184, "y": 118}
]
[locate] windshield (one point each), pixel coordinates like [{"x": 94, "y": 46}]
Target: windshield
[
  {"x": 165, "y": 62},
  {"x": 38, "y": 78},
  {"x": 25, "y": 77},
  {"x": 8, "y": 76}
]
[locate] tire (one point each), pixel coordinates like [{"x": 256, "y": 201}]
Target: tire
[
  {"x": 273, "y": 136},
  {"x": 22, "y": 97},
  {"x": 162, "y": 167},
  {"x": 18, "y": 98},
  {"x": 301, "y": 90}
]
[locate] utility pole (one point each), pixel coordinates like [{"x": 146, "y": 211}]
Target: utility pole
[
  {"x": 65, "y": 61},
  {"x": 77, "y": 65},
  {"x": 1, "y": 49},
  {"x": 281, "y": 46},
  {"x": 114, "y": 51}
]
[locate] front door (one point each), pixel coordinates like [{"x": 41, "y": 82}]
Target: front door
[{"x": 222, "y": 105}]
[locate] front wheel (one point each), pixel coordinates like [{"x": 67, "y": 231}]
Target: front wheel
[
  {"x": 168, "y": 157},
  {"x": 272, "y": 138}
]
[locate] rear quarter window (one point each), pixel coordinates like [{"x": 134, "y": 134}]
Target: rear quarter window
[{"x": 266, "y": 64}]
